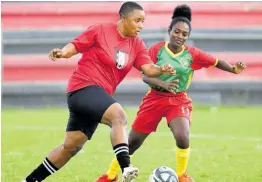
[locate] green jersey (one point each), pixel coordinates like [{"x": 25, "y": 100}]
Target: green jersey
[{"x": 184, "y": 62}]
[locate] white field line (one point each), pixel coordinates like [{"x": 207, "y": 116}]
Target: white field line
[{"x": 157, "y": 134}]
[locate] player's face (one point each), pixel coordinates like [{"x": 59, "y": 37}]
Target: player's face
[
  {"x": 134, "y": 23},
  {"x": 179, "y": 34}
]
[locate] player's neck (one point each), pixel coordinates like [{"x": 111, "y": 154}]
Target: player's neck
[
  {"x": 121, "y": 29},
  {"x": 175, "y": 50}
]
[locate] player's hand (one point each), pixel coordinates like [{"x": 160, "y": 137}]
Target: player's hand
[
  {"x": 55, "y": 53},
  {"x": 239, "y": 67},
  {"x": 172, "y": 86},
  {"x": 168, "y": 69}
]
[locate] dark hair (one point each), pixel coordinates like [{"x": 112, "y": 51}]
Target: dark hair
[
  {"x": 181, "y": 13},
  {"x": 128, "y": 7}
]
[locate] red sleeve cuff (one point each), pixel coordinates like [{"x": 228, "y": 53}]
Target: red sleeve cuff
[
  {"x": 77, "y": 48},
  {"x": 216, "y": 62},
  {"x": 143, "y": 62}
]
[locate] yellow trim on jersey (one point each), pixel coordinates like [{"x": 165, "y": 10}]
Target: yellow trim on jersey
[
  {"x": 189, "y": 80},
  {"x": 148, "y": 92},
  {"x": 215, "y": 63},
  {"x": 171, "y": 53}
]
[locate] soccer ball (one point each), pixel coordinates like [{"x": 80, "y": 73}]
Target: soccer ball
[{"x": 163, "y": 174}]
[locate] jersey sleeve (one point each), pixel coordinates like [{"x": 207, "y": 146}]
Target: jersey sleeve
[
  {"x": 153, "y": 51},
  {"x": 202, "y": 59},
  {"x": 87, "y": 39},
  {"x": 142, "y": 55}
]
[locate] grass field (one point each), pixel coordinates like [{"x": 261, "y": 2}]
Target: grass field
[{"x": 226, "y": 146}]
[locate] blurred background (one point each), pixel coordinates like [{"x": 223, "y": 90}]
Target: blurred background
[
  {"x": 229, "y": 30},
  {"x": 226, "y": 130}
]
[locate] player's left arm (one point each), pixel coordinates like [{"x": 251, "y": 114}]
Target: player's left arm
[
  {"x": 226, "y": 66},
  {"x": 202, "y": 59}
]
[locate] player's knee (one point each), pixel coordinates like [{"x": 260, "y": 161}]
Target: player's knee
[
  {"x": 71, "y": 149},
  {"x": 115, "y": 116},
  {"x": 120, "y": 117},
  {"x": 182, "y": 139}
]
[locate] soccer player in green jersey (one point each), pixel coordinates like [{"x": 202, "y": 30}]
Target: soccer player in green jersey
[{"x": 167, "y": 96}]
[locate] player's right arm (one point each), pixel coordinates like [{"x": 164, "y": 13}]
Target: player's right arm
[
  {"x": 79, "y": 45},
  {"x": 67, "y": 52},
  {"x": 171, "y": 86},
  {"x": 168, "y": 86}
]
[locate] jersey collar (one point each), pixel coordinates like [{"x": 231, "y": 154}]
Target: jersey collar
[{"x": 171, "y": 53}]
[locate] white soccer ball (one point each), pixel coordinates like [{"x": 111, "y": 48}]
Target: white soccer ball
[{"x": 163, "y": 174}]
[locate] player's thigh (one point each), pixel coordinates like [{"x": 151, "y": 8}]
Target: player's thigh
[
  {"x": 180, "y": 127},
  {"x": 179, "y": 107},
  {"x": 149, "y": 115},
  {"x": 78, "y": 122},
  {"x": 179, "y": 118},
  {"x": 179, "y": 111},
  {"x": 86, "y": 108},
  {"x": 91, "y": 101}
]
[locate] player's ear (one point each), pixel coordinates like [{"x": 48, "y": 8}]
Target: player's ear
[
  {"x": 124, "y": 18},
  {"x": 169, "y": 31}
]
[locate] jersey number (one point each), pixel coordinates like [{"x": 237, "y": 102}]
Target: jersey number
[{"x": 185, "y": 110}]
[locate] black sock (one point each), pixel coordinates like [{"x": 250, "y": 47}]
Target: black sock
[
  {"x": 122, "y": 155},
  {"x": 42, "y": 171}
]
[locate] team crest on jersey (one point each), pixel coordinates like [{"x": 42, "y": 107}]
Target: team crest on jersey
[
  {"x": 121, "y": 59},
  {"x": 186, "y": 62}
]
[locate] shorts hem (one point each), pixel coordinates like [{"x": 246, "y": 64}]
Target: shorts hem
[
  {"x": 140, "y": 131},
  {"x": 89, "y": 136},
  {"x": 179, "y": 116}
]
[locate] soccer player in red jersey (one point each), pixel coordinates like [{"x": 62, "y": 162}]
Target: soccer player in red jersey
[
  {"x": 167, "y": 97},
  {"x": 109, "y": 52}
]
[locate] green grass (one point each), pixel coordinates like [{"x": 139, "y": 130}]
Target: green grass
[{"x": 226, "y": 146}]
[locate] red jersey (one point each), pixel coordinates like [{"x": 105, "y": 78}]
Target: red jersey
[{"x": 107, "y": 57}]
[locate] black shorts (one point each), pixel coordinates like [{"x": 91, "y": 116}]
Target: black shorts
[{"x": 86, "y": 108}]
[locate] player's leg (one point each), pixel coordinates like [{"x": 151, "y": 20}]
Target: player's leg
[
  {"x": 59, "y": 156},
  {"x": 180, "y": 129},
  {"x": 79, "y": 130},
  {"x": 135, "y": 140},
  {"x": 146, "y": 122},
  {"x": 179, "y": 123},
  {"x": 101, "y": 107},
  {"x": 116, "y": 118}
]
